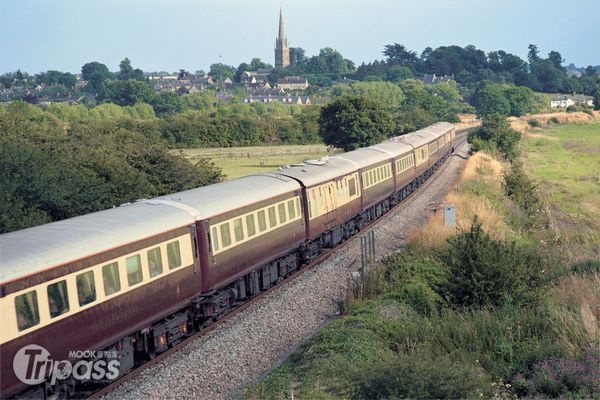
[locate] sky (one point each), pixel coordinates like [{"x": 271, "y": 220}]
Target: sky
[{"x": 167, "y": 35}]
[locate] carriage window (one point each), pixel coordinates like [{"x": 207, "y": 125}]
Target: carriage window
[
  {"x": 272, "y": 217},
  {"x": 262, "y": 222},
  {"x": 282, "y": 214},
  {"x": 86, "y": 288},
  {"x": 26, "y": 307},
  {"x": 250, "y": 227},
  {"x": 174, "y": 255},
  {"x": 297, "y": 202},
  {"x": 225, "y": 234},
  {"x": 291, "y": 209},
  {"x": 238, "y": 230},
  {"x": 58, "y": 300},
  {"x": 215, "y": 239},
  {"x": 111, "y": 279},
  {"x": 154, "y": 262},
  {"x": 134, "y": 270},
  {"x": 352, "y": 186}
]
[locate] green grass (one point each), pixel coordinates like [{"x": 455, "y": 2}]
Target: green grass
[
  {"x": 566, "y": 163},
  {"x": 240, "y": 161}
]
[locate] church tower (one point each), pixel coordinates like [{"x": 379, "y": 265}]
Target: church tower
[{"x": 282, "y": 51}]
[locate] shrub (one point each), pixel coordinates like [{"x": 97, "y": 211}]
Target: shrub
[
  {"x": 521, "y": 189},
  {"x": 420, "y": 297},
  {"x": 484, "y": 271},
  {"x": 497, "y": 132},
  {"x": 554, "y": 120},
  {"x": 534, "y": 123},
  {"x": 420, "y": 375}
]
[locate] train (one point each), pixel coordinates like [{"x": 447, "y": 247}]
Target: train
[{"x": 107, "y": 291}]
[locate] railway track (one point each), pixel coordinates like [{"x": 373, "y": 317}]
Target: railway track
[{"x": 461, "y": 138}]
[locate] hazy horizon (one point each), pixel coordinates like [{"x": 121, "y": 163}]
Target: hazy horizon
[{"x": 162, "y": 35}]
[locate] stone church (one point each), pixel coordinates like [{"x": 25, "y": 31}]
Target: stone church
[{"x": 282, "y": 51}]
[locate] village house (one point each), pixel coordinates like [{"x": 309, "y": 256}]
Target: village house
[
  {"x": 430, "y": 79},
  {"x": 292, "y": 83},
  {"x": 566, "y": 100},
  {"x": 286, "y": 99}
]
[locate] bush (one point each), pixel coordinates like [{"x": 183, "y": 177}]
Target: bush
[
  {"x": 420, "y": 297},
  {"x": 419, "y": 375},
  {"x": 484, "y": 271},
  {"x": 554, "y": 120},
  {"x": 521, "y": 189},
  {"x": 534, "y": 123},
  {"x": 497, "y": 132}
]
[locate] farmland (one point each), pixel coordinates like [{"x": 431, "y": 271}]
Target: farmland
[{"x": 240, "y": 161}]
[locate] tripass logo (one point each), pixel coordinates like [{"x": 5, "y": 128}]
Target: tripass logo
[{"x": 33, "y": 363}]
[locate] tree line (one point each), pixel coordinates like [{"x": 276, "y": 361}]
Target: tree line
[{"x": 471, "y": 66}]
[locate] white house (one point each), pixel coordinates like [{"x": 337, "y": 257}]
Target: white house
[{"x": 566, "y": 100}]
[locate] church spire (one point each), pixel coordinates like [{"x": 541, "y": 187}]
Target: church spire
[
  {"x": 281, "y": 29},
  {"x": 282, "y": 52}
]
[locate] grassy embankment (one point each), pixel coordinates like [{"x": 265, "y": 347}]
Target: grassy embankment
[
  {"x": 565, "y": 160},
  {"x": 504, "y": 307},
  {"x": 240, "y": 161}
]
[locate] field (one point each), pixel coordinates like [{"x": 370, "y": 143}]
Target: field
[
  {"x": 565, "y": 161},
  {"x": 240, "y": 161}
]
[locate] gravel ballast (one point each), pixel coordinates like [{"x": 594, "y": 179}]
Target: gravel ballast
[{"x": 238, "y": 352}]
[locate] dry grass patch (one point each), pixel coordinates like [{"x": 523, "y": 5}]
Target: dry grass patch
[
  {"x": 482, "y": 164},
  {"x": 521, "y": 124},
  {"x": 576, "y": 304},
  {"x": 488, "y": 171}
]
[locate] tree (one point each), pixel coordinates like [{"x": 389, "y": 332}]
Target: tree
[
  {"x": 386, "y": 94},
  {"x": 496, "y": 134},
  {"x": 490, "y": 99},
  {"x": 547, "y": 77},
  {"x": 297, "y": 56},
  {"x": 397, "y": 54},
  {"x": 352, "y": 122},
  {"x": 329, "y": 61},
  {"x": 597, "y": 99},
  {"x": 556, "y": 59},
  {"x": 126, "y": 71},
  {"x": 257, "y": 64},
  {"x": 397, "y": 73},
  {"x": 220, "y": 71},
  {"x": 533, "y": 54},
  {"x": 167, "y": 103},
  {"x": 520, "y": 99},
  {"x": 127, "y": 93},
  {"x": 95, "y": 74},
  {"x": 68, "y": 79},
  {"x": 243, "y": 67}
]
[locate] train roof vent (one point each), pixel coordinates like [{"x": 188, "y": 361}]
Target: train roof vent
[{"x": 321, "y": 161}]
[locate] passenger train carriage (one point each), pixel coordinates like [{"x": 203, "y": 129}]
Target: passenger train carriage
[{"x": 136, "y": 279}]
